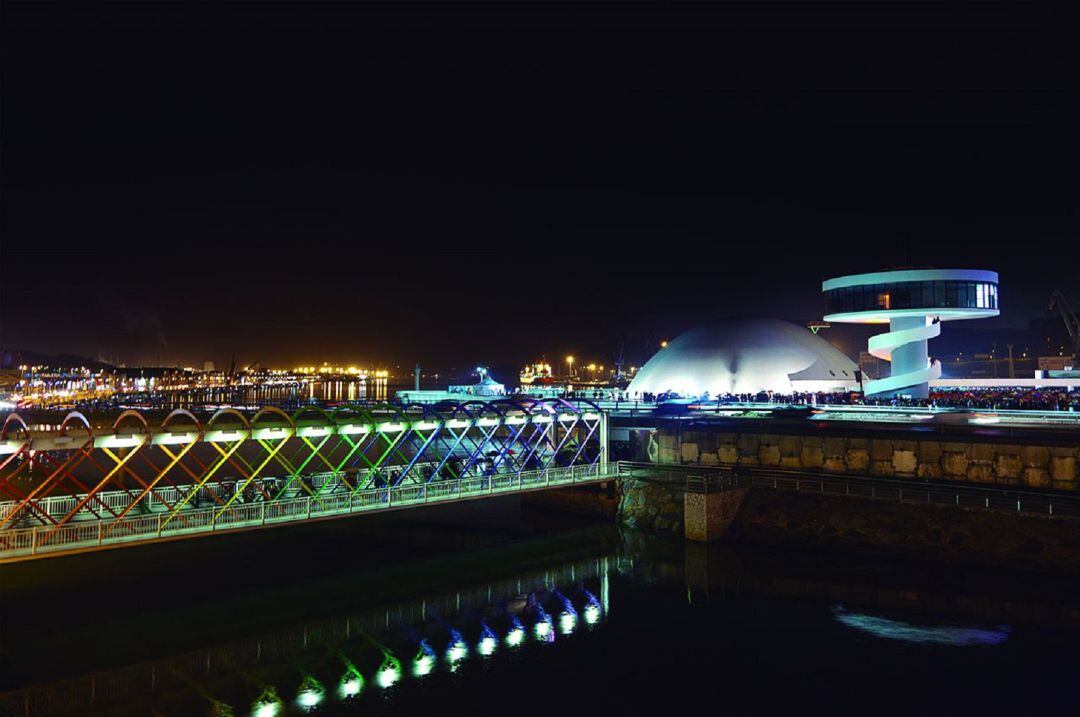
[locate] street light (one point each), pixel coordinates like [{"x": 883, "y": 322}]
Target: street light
[
  {"x": 570, "y": 364},
  {"x": 663, "y": 344}
]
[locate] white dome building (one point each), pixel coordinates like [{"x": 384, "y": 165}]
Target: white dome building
[{"x": 746, "y": 355}]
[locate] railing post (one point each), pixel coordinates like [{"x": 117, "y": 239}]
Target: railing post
[
  {"x": 308, "y": 507},
  {"x": 262, "y": 513},
  {"x": 99, "y": 530},
  {"x": 159, "y": 525},
  {"x": 33, "y": 541}
]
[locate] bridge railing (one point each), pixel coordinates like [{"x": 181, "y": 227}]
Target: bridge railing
[{"x": 89, "y": 535}]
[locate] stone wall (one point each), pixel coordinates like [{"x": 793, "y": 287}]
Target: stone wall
[
  {"x": 806, "y": 521},
  {"x": 646, "y": 504},
  {"x": 1004, "y": 463},
  {"x": 707, "y": 516}
]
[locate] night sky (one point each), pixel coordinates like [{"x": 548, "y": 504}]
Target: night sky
[{"x": 387, "y": 182}]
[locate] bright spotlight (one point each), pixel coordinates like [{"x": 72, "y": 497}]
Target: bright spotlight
[
  {"x": 351, "y": 686},
  {"x": 387, "y": 676},
  {"x": 567, "y": 622},
  {"x": 592, "y": 614}
]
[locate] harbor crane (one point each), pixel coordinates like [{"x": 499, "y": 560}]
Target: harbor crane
[{"x": 1072, "y": 325}]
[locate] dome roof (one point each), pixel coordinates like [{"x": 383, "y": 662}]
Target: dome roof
[{"x": 745, "y": 355}]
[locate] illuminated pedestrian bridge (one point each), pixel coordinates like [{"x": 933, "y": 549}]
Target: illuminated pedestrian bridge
[{"x": 75, "y": 486}]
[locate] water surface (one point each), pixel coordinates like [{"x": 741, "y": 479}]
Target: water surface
[{"x": 492, "y": 609}]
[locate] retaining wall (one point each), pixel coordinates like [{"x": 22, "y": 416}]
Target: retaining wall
[{"x": 1014, "y": 464}]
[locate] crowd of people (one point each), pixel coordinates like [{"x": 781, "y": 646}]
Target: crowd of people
[{"x": 1003, "y": 398}]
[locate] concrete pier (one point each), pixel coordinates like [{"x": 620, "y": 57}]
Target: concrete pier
[{"x": 708, "y": 515}]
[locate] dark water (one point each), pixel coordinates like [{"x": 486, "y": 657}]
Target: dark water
[{"x": 492, "y": 609}]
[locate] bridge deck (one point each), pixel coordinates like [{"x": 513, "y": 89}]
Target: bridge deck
[{"x": 83, "y": 536}]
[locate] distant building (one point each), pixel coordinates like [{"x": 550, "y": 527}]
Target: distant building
[{"x": 208, "y": 366}]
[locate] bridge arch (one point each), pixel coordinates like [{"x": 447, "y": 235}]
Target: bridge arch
[
  {"x": 182, "y": 412},
  {"x": 14, "y": 418},
  {"x": 131, "y": 413},
  {"x": 222, "y": 412},
  {"x": 75, "y": 416},
  {"x": 275, "y": 411}
]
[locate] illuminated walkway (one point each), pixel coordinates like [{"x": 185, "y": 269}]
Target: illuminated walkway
[{"x": 74, "y": 488}]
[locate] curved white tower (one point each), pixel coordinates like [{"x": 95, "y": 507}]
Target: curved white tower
[{"x": 913, "y": 302}]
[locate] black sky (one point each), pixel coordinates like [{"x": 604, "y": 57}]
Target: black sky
[{"x": 487, "y": 181}]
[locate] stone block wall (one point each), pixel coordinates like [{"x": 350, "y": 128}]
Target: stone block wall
[
  {"x": 1011, "y": 464},
  {"x": 707, "y": 516},
  {"x": 644, "y": 504}
]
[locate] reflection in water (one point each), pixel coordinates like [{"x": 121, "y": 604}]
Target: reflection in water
[
  {"x": 557, "y": 622},
  {"x": 330, "y": 661},
  {"x": 291, "y": 395},
  {"x": 424, "y": 662},
  {"x": 890, "y": 629}
]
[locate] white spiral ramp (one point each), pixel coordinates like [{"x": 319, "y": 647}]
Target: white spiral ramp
[{"x": 883, "y": 345}]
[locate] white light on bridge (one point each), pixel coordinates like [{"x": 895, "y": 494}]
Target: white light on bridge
[
  {"x": 515, "y": 637},
  {"x": 351, "y": 686},
  {"x": 423, "y": 665},
  {"x": 592, "y": 614},
  {"x": 567, "y": 622},
  {"x": 387, "y": 676},
  {"x": 266, "y": 709},
  {"x": 456, "y": 653}
]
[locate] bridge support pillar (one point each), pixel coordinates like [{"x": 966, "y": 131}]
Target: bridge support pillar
[{"x": 706, "y": 516}]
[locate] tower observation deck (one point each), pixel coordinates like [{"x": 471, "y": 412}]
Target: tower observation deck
[{"x": 913, "y": 302}]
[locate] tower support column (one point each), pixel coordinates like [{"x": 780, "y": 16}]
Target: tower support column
[{"x": 910, "y": 357}]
